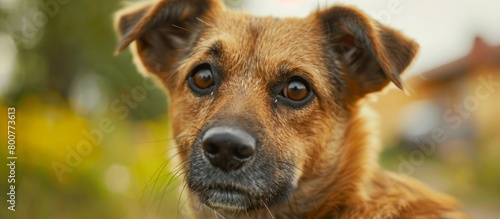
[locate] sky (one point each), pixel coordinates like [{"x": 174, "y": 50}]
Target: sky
[{"x": 445, "y": 29}]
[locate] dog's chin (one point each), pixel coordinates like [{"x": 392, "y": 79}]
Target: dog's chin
[
  {"x": 231, "y": 199},
  {"x": 225, "y": 199}
]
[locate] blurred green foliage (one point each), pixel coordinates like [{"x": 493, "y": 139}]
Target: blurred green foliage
[
  {"x": 75, "y": 40},
  {"x": 78, "y": 38}
]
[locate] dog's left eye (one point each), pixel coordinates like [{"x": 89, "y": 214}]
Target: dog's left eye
[
  {"x": 202, "y": 79},
  {"x": 296, "y": 92}
]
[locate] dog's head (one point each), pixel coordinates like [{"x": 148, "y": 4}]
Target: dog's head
[{"x": 260, "y": 104}]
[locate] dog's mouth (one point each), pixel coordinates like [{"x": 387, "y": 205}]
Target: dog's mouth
[
  {"x": 234, "y": 195},
  {"x": 227, "y": 197},
  {"x": 235, "y": 192}
]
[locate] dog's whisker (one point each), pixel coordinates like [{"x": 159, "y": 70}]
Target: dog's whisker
[
  {"x": 206, "y": 23},
  {"x": 163, "y": 192},
  {"x": 154, "y": 184},
  {"x": 218, "y": 214},
  {"x": 182, "y": 28},
  {"x": 179, "y": 200},
  {"x": 175, "y": 147},
  {"x": 268, "y": 210},
  {"x": 200, "y": 208},
  {"x": 164, "y": 165},
  {"x": 246, "y": 212},
  {"x": 157, "y": 178},
  {"x": 176, "y": 176},
  {"x": 290, "y": 206}
]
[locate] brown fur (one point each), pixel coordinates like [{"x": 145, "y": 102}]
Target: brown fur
[{"x": 328, "y": 144}]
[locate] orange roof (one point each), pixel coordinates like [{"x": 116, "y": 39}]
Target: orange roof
[{"x": 481, "y": 53}]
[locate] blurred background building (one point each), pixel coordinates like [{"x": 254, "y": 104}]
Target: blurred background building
[{"x": 57, "y": 68}]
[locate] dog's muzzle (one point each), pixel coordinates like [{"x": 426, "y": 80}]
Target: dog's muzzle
[{"x": 229, "y": 169}]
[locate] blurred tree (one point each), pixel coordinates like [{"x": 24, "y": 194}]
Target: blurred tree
[{"x": 59, "y": 39}]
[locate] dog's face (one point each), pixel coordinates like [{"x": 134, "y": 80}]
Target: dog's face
[
  {"x": 260, "y": 104},
  {"x": 252, "y": 103}
]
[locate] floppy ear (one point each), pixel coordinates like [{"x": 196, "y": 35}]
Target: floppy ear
[
  {"x": 161, "y": 30},
  {"x": 372, "y": 53}
]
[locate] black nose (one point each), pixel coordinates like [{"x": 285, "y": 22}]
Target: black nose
[{"x": 228, "y": 148}]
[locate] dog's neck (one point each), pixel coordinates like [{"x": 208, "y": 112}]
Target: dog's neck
[{"x": 329, "y": 191}]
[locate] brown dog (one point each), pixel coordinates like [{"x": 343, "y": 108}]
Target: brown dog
[{"x": 268, "y": 113}]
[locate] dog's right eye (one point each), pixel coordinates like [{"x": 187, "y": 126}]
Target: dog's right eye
[{"x": 202, "y": 79}]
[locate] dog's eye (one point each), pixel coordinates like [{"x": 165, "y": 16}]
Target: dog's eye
[
  {"x": 296, "y": 90},
  {"x": 203, "y": 78}
]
